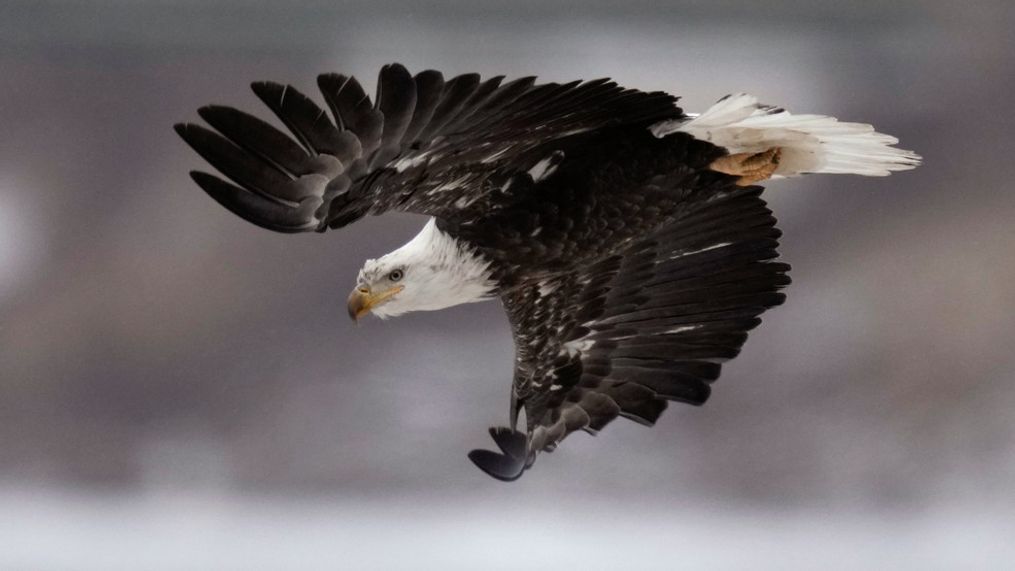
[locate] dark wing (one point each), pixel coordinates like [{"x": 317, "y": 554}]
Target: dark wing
[
  {"x": 425, "y": 145},
  {"x": 635, "y": 330}
]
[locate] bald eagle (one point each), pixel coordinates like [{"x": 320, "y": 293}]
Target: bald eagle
[{"x": 626, "y": 240}]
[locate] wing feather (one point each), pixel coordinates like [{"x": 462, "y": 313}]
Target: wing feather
[
  {"x": 445, "y": 149},
  {"x": 244, "y": 168},
  {"x": 483, "y": 91},
  {"x": 646, "y": 326},
  {"x": 457, "y": 92},
  {"x": 353, "y": 110},
  {"x": 255, "y": 208},
  {"x": 260, "y": 138},
  {"x": 429, "y": 89},
  {"x": 396, "y": 101},
  {"x": 308, "y": 122}
]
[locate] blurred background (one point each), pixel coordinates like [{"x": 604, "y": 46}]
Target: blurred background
[{"x": 182, "y": 390}]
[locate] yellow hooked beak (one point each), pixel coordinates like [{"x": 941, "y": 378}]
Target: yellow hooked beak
[{"x": 362, "y": 300}]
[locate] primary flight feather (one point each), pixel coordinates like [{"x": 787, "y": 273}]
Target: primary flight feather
[{"x": 626, "y": 240}]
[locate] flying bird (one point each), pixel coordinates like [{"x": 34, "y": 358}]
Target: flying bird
[{"x": 627, "y": 240}]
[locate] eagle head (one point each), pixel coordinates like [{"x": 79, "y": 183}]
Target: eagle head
[{"x": 432, "y": 271}]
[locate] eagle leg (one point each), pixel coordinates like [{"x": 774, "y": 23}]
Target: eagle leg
[{"x": 750, "y": 167}]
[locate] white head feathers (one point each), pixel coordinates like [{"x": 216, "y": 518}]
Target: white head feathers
[{"x": 435, "y": 271}]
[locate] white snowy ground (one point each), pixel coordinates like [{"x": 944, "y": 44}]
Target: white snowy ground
[{"x": 47, "y": 530}]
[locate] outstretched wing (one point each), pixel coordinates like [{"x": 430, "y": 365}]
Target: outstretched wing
[
  {"x": 635, "y": 330},
  {"x": 425, "y": 145}
]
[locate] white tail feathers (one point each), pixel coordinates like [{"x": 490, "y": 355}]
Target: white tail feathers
[{"x": 810, "y": 143}]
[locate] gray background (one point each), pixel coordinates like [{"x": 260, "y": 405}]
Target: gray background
[{"x": 182, "y": 390}]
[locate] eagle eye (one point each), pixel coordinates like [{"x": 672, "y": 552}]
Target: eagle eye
[{"x": 396, "y": 275}]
